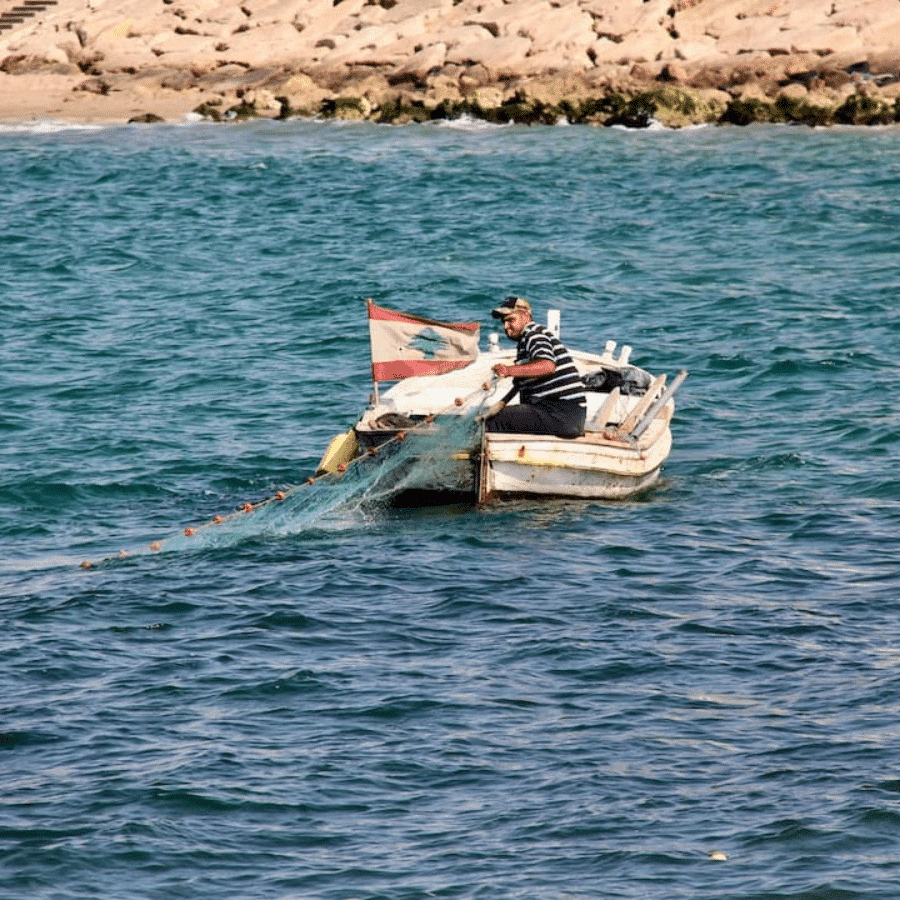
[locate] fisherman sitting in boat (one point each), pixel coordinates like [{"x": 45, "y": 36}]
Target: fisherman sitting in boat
[{"x": 549, "y": 386}]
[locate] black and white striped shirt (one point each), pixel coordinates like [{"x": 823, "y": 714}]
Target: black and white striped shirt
[{"x": 565, "y": 383}]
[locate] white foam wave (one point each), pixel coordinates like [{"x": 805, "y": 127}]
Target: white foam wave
[{"x": 47, "y": 126}]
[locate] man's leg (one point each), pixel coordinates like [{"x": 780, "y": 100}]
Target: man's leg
[
  {"x": 563, "y": 419},
  {"x": 522, "y": 418}
]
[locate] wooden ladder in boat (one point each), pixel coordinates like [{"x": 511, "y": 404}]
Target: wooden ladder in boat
[{"x": 645, "y": 410}]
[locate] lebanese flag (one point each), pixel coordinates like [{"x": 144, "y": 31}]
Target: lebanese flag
[{"x": 404, "y": 345}]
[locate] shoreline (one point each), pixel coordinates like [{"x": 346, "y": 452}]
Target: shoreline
[
  {"x": 635, "y": 102},
  {"x": 615, "y": 62}
]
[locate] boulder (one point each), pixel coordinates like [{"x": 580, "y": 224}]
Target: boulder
[
  {"x": 516, "y": 18},
  {"x": 624, "y": 17},
  {"x": 554, "y": 90},
  {"x": 823, "y": 40},
  {"x": 183, "y": 50},
  {"x": 749, "y": 91},
  {"x": 699, "y": 48},
  {"x": 572, "y": 31},
  {"x": 267, "y": 12},
  {"x": 794, "y": 91},
  {"x": 224, "y": 78},
  {"x": 369, "y": 37},
  {"x": 882, "y": 36},
  {"x": 263, "y": 46},
  {"x": 571, "y": 59},
  {"x": 639, "y": 47},
  {"x": 40, "y": 52},
  {"x": 499, "y": 56},
  {"x": 375, "y": 89},
  {"x": 303, "y": 95},
  {"x": 93, "y": 86},
  {"x": 124, "y": 54},
  {"x": 442, "y": 89},
  {"x": 866, "y": 12},
  {"x": 418, "y": 12},
  {"x": 322, "y": 18},
  {"x": 263, "y": 101},
  {"x": 488, "y": 97},
  {"x": 178, "y": 80},
  {"x": 462, "y": 35},
  {"x": 419, "y": 66},
  {"x": 759, "y": 34}
]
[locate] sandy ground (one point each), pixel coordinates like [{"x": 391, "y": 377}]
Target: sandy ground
[{"x": 32, "y": 98}]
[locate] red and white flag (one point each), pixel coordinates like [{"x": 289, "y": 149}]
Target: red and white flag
[{"x": 404, "y": 345}]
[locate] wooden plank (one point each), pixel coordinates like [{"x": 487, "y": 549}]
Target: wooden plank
[
  {"x": 644, "y": 421},
  {"x": 601, "y": 420},
  {"x": 483, "y": 488},
  {"x": 641, "y": 406}
]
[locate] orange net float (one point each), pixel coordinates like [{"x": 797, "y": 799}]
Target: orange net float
[
  {"x": 401, "y": 435},
  {"x": 247, "y": 507},
  {"x": 279, "y": 495},
  {"x": 217, "y": 520},
  {"x": 189, "y": 532},
  {"x": 342, "y": 467},
  {"x": 87, "y": 565},
  {"x": 156, "y": 546},
  {"x": 458, "y": 401},
  {"x": 310, "y": 480}
]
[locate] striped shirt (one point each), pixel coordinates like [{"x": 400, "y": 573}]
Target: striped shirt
[{"x": 565, "y": 383}]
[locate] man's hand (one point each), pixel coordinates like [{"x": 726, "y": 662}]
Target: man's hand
[
  {"x": 538, "y": 368},
  {"x": 491, "y": 411}
]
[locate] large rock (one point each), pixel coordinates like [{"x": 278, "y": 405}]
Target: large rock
[
  {"x": 500, "y": 56},
  {"x": 184, "y": 49},
  {"x": 417, "y": 14},
  {"x": 761, "y": 34},
  {"x": 824, "y": 40},
  {"x": 39, "y": 52},
  {"x": 701, "y": 48},
  {"x": 566, "y": 29},
  {"x": 322, "y": 18},
  {"x": 419, "y": 65},
  {"x": 258, "y": 47},
  {"x": 623, "y": 17},
  {"x": 882, "y": 35},
  {"x": 638, "y": 47},
  {"x": 568, "y": 59},
  {"x": 267, "y": 12}
]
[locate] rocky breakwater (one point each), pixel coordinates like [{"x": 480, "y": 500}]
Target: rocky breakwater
[{"x": 597, "y": 61}]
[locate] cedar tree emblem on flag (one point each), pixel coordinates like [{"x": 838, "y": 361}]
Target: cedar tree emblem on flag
[{"x": 404, "y": 345}]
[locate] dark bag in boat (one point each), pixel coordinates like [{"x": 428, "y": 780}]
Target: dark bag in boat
[{"x": 629, "y": 381}]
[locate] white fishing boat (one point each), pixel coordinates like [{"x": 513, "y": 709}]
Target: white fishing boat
[{"x": 446, "y": 453}]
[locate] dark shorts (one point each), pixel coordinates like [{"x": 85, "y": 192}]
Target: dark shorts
[{"x": 563, "y": 418}]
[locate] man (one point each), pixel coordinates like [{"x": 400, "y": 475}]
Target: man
[{"x": 549, "y": 386}]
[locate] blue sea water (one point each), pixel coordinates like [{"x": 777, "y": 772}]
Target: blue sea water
[{"x": 692, "y": 695}]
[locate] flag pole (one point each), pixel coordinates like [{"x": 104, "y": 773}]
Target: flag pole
[{"x": 369, "y": 302}]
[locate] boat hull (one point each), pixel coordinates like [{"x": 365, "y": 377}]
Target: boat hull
[
  {"x": 591, "y": 467},
  {"x": 425, "y": 437},
  {"x": 595, "y": 466}
]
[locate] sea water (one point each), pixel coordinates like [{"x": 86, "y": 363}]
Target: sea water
[{"x": 691, "y": 695}]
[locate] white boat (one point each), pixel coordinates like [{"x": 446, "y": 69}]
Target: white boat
[{"x": 446, "y": 453}]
